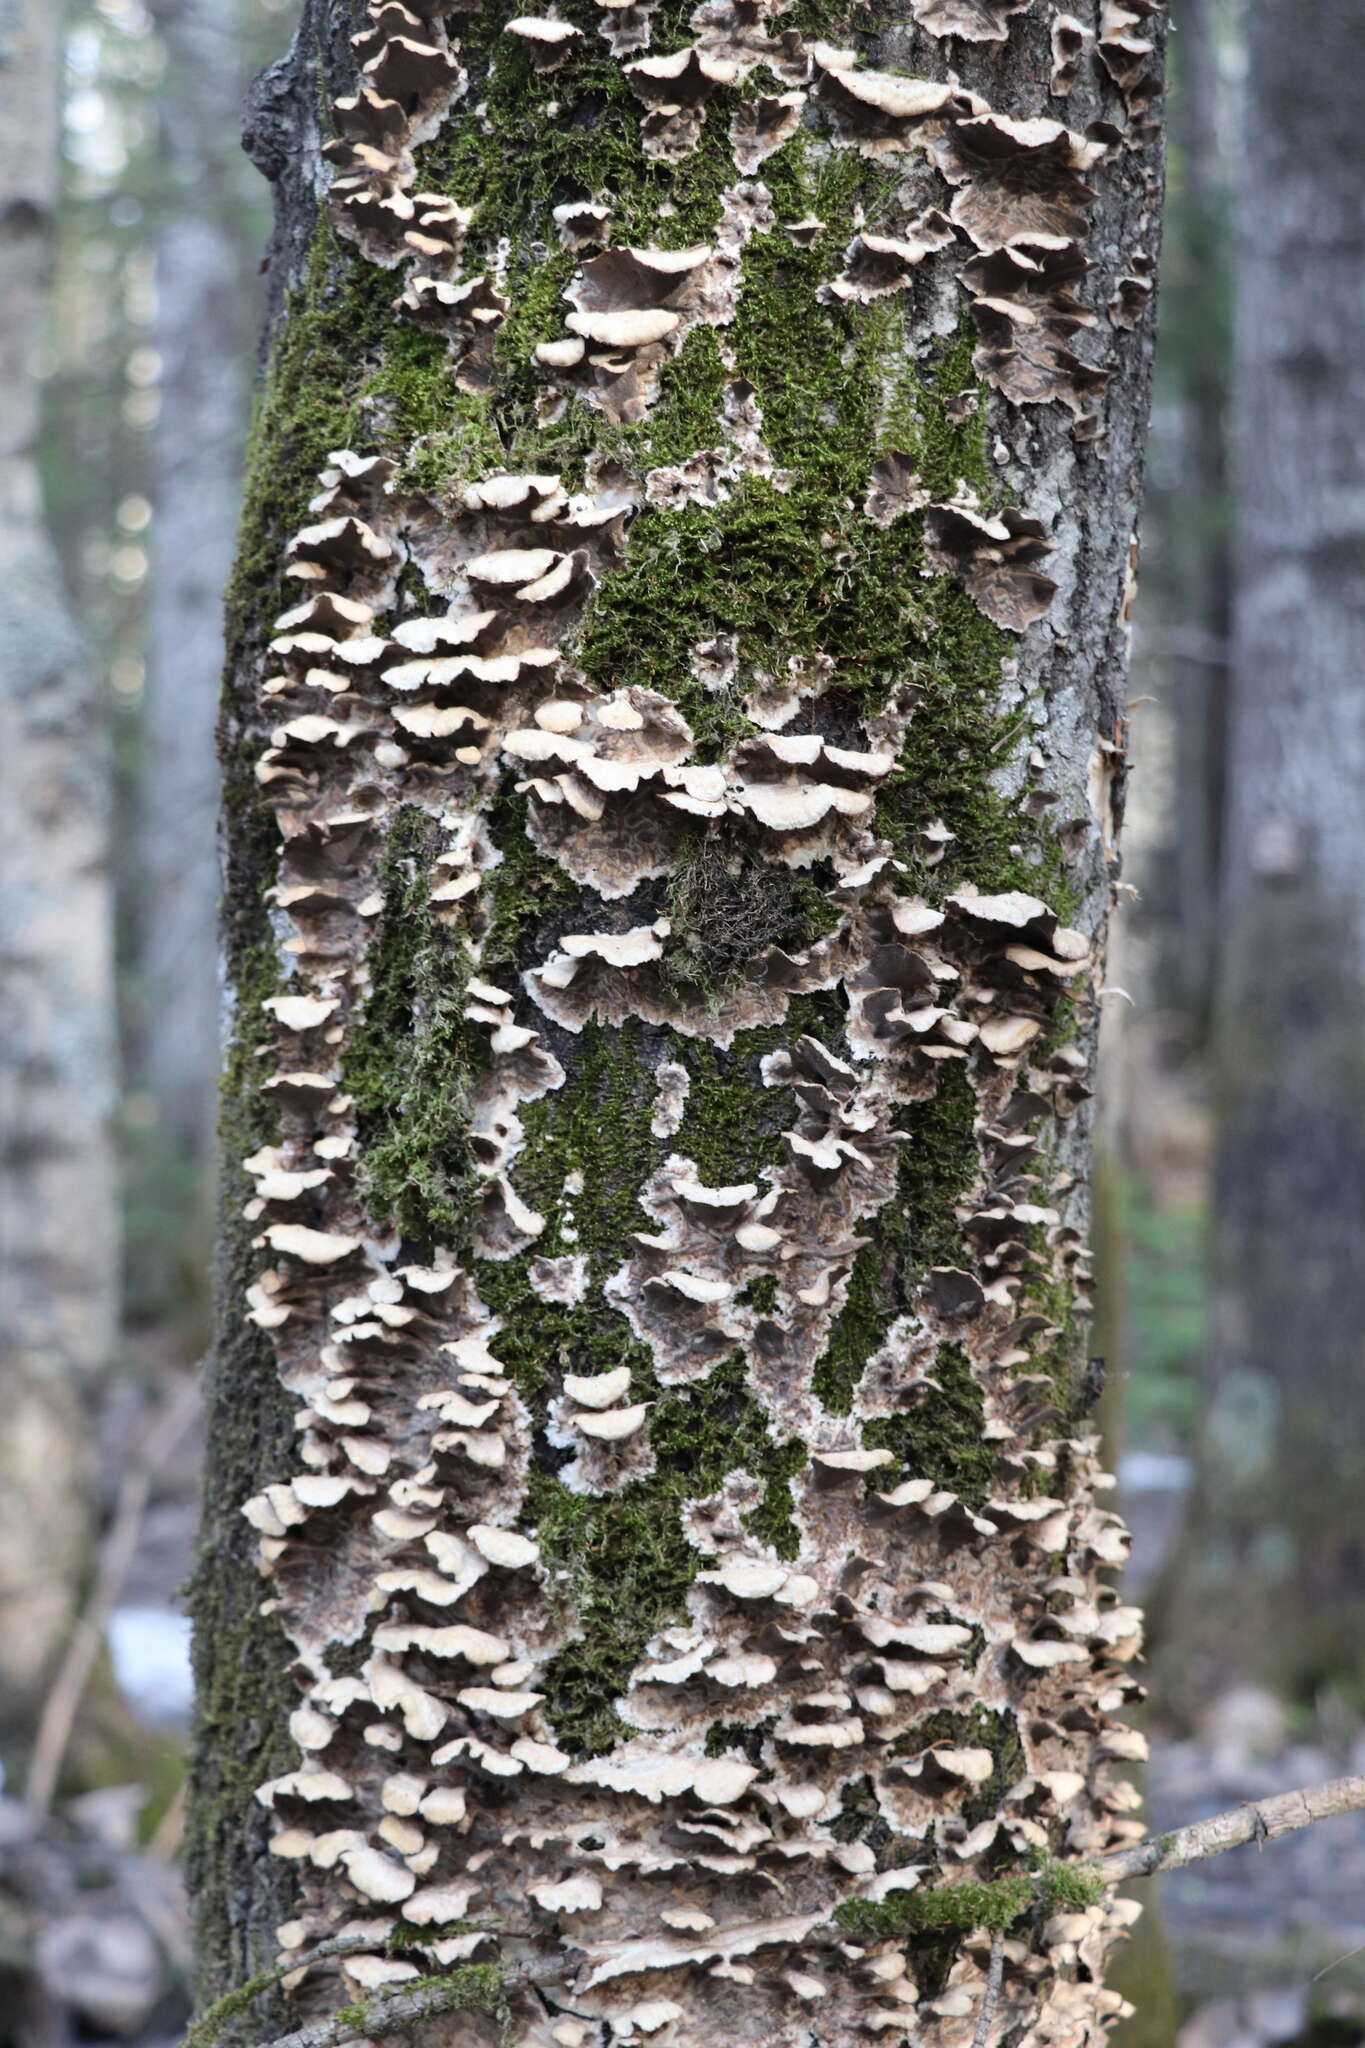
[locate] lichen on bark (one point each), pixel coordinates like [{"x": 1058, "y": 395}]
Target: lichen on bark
[{"x": 690, "y": 733}]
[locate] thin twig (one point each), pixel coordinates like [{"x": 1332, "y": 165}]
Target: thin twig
[
  {"x": 205, "y": 2028},
  {"x": 990, "y": 1998},
  {"x": 1265, "y": 1821},
  {"x": 389, "y": 2012},
  {"x": 115, "y": 1559},
  {"x": 1337, "y": 1961},
  {"x": 169, "y": 1831}
]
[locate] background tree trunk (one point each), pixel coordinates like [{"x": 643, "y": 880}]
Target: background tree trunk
[
  {"x": 58, "y": 1234},
  {"x": 208, "y": 314},
  {"x": 1280, "y": 1514},
  {"x": 667, "y": 840},
  {"x": 1198, "y": 516}
]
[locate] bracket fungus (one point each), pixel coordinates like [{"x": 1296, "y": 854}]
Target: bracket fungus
[
  {"x": 689, "y": 1532},
  {"x": 995, "y": 554},
  {"x": 975, "y": 21}
]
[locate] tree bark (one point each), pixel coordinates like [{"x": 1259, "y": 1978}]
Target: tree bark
[
  {"x": 1280, "y": 1513},
  {"x": 673, "y": 746},
  {"x": 58, "y": 1234}
]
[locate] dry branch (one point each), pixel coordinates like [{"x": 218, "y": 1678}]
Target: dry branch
[{"x": 1264, "y": 1821}]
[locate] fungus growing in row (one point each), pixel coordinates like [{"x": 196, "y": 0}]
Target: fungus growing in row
[{"x": 859, "y": 1662}]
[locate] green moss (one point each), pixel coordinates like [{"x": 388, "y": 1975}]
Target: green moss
[
  {"x": 773, "y": 1520},
  {"x": 733, "y": 1121},
  {"x": 595, "y": 1126},
  {"x": 472, "y": 1987},
  {"x": 243, "y": 1689},
  {"x": 621, "y": 1563},
  {"x": 409, "y": 1941},
  {"x": 540, "y": 1341},
  {"x": 686, "y": 415},
  {"x": 247, "y": 1116},
  {"x": 338, "y": 326},
  {"x": 209, "y": 2028},
  {"x": 527, "y": 892},
  {"x": 859, "y": 1328},
  {"x": 996, "y": 1904},
  {"x": 1061, "y": 1357},
  {"x": 940, "y": 1436},
  {"x": 935, "y": 1167},
  {"x": 243, "y": 1692},
  {"x": 958, "y": 1908},
  {"x": 410, "y": 398},
  {"x": 855, "y": 387},
  {"x": 410, "y": 1059},
  {"x": 732, "y": 1124},
  {"x": 516, "y": 165}
]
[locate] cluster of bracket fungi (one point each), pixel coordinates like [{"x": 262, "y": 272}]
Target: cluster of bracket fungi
[{"x": 431, "y": 1791}]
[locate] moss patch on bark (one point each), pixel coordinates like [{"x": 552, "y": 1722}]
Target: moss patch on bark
[
  {"x": 622, "y": 1561},
  {"x": 410, "y": 1060}
]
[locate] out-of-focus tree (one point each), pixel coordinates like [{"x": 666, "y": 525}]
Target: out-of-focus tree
[
  {"x": 58, "y": 1229},
  {"x": 207, "y": 228},
  {"x": 158, "y": 304},
  {"x": 1191, "y": 506},
  {"x": 1280, "y": 1515},
  {"x": 1174, "y": 829}
]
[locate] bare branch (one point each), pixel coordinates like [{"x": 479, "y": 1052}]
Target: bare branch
[
  {"x": 1265, "y": 1821},
  {"x": 990, "y": 1998}
]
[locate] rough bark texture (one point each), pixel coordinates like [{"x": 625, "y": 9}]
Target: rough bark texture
[
  {"x": 1281, "y": 1508},
  {"x": 680, "y": 741},
  {"x": 58, "y": 1243}
]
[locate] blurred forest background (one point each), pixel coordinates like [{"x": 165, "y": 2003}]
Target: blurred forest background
[{"x": 129, "y": 358}]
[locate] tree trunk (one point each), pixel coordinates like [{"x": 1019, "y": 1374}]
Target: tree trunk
[
  {"x": 1281, "y": 1514},
  {"x": 1197, "y": 512},
  {"x": 673, "y": 737},
  {"x": 58, "y": 1237},
  {"x": 207, "y": 313}
]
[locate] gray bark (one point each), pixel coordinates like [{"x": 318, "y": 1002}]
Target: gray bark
[
  {"x": 1271, "y": 1584},
  {"x": 207, "y": 316},
  {"x": 58, "y": 1236}
]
